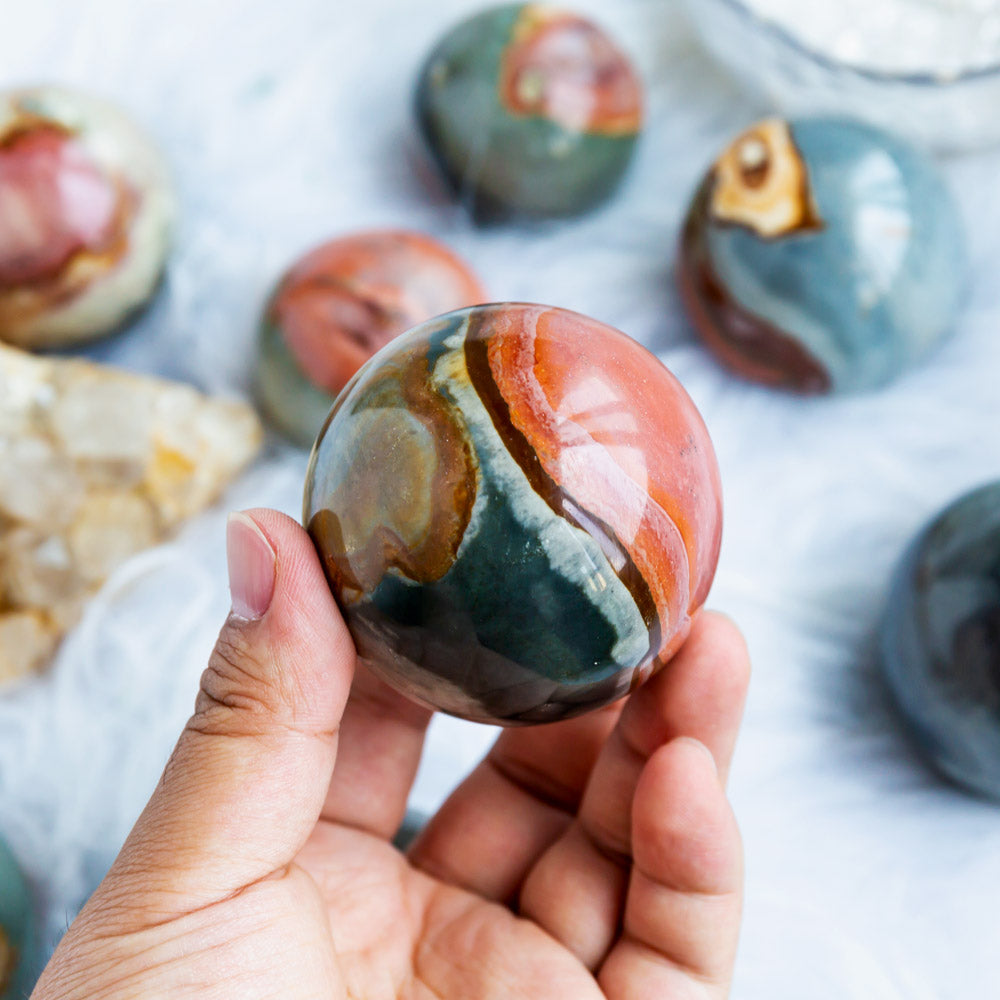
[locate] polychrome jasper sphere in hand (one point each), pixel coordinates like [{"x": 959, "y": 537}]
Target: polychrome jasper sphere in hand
[
  {"x": 941, "y": 640},
  {"x": 518, "y": 510},
  {"x": 337, "y": 306},
  {"x": 16, "y": 929},
  {"x": 85, "y": 213},
  {"x": 529, "y": 110},
  {"x": 821, "y": 255}
]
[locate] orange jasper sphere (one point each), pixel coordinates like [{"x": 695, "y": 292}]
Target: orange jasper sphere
[{"x": 340, "y": 304}]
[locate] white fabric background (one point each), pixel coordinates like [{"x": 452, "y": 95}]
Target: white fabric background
[{"x": 289, "y": 122}]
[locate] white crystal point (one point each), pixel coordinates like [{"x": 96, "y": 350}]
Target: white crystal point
[{"x": 96, "y": 464}]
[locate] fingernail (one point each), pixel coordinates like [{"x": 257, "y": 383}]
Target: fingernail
[
  {"x": 251, "y": 567},
  {"x": 704, "y": 749}
]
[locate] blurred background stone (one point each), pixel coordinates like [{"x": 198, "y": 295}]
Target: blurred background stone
[{"x": 95, "y": 466}]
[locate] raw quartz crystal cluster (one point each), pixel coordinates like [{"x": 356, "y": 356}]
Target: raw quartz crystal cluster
[{"x": 95, "y": 465}]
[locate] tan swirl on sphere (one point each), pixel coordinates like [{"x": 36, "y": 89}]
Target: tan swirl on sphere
[
  {"x": 418, "y": 528},
  {"x": 762, "y": 182}
]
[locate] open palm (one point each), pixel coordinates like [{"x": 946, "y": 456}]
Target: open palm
[{"x": 584, "y": 859}]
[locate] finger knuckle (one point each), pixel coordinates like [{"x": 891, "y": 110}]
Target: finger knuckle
[{"x": 240, "y": 688}]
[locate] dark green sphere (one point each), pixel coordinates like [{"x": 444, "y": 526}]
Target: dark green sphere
[{"x": 529, "y": 111}]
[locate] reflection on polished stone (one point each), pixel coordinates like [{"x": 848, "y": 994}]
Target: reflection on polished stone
[
  {"x": 529, "y": 110},
  {"x": 821, "y": 255},
  {"x": 518, "y": 509}
]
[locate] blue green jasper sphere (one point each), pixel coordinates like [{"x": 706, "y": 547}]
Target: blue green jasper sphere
[
  {"x": 529, "y": 110},
  {"x": 518, "y": 510},
  {"x": 821, "y": 255},
  {"x": 16, "y": 929},
  {"x": 941, "y": 640}
]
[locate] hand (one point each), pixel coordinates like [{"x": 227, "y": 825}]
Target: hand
[{"x": 591, "y": 858}]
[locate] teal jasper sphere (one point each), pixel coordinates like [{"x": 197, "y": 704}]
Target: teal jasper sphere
[
  {"x": 16, "y": 929},
  {"x": 940, "y": 640},
  {"x": 518, "y": 510},
  {"x": 821, "y": 255},
  {"x": 530, "y": 111}
]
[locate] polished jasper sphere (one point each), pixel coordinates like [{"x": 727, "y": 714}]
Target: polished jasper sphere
[
  {"x": 337, "y": 306},
  {"x": 821, "y": 255},
  {"x": 518, "y": 510},
  {"x": 529, "y": 110},
  {"x": 85, "y": 213},
  {"x": 941, "y": 640},
  {"x": 16, "y": 929}
]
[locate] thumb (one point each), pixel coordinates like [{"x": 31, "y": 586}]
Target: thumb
[{"x": 247, "y": 780}]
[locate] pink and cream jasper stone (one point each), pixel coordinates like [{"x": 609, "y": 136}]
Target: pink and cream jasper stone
[
  {"x": 85, "y": 214},
  {"x": 338, "y": 305}
]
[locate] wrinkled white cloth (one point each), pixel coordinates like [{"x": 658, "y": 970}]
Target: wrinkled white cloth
[{"x": 287, "y": 123}]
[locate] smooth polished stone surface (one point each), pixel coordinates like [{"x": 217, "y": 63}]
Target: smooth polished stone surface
[
  {"x": 16, "y": 929},
  {"x": 529, "y": 110},
  {"x": 941, "y": 640},
  {"x": 85, "y": 213},
  {"x": 337, "y": 305},
  {"x": 518, "y": 509},
  {"x": 821, "y": 255}
]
